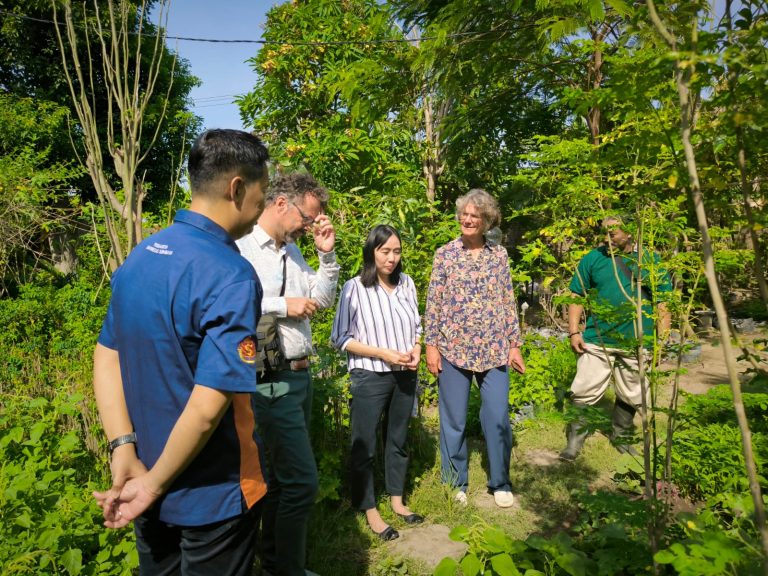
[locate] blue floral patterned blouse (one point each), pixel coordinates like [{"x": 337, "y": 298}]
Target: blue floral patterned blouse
[{"x": 471, "y": 316}]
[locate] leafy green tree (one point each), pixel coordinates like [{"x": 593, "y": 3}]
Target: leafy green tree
[
  {"x": 34, "y": 204},
  {"x": 679, "y": 30},
  {"x": 744, "y": 107},
  {"x": 334, "y": 93},
  {"x": 30, "y": 66}
]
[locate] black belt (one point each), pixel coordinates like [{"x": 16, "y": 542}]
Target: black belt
[{"x": 295, "y": 365}]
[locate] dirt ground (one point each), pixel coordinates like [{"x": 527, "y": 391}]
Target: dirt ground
[{"x": 710, "y": 369}]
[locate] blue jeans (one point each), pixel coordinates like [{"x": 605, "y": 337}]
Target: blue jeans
[
  {"x": 224, "y": 548},
  {"x": 283, "y": 408},
  {"x": 453, "y": 401},
  {"x": 372, "y": 394}
]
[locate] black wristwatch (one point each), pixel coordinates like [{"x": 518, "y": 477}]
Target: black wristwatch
[{"x": 120, "y": 440}]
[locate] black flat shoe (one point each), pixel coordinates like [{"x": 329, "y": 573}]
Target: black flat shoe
[
  {"x": 387, "y": 534},
  {"x": 412, "y": 518}
]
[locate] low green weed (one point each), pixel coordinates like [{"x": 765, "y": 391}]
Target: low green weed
[
  {"x": 716, "y": 406},
  {"x": 707, "y": 457},
  {"x": 49, "y": 523},
  {"x": 492, "y": 552},
  {"x": 710, "y": 544},
  {"x": 707, "y": 460},
  {"x": 610, "y": 539},
  {"x": 550, "y": 368},
  {"x": 391, "y": 566}
]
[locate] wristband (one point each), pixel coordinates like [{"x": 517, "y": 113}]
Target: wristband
[
  {"x": 574, "y": 333},
  {"x": 120, "y": 440}
]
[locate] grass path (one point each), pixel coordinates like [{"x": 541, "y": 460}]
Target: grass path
[{"x": 545, "y": 500}]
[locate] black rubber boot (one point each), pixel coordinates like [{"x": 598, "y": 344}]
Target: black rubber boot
[
  {"x": 623, "y": 426},
  {"x": 576, "y": 433}
]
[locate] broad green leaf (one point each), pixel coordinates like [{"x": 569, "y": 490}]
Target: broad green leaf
[
  {"x": 24, "y": 520},
  {"x": 504, "y": 566},
  {"x": 459, "y": 533},
  {"x": 36, "y": 432},
  {"x": 72, "y": 560},
  {"x": 446, "y": 567},
  {"x": 47, "y": 539},
  {"x": 575, "y": 564},
  {"x": 470, "y": 565},
  {"x": 495, "y": 540}
]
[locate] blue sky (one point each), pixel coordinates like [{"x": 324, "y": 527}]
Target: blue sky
[{"x": 221, "y": 67}]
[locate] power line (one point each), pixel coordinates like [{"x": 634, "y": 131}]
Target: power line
[
  {"x": 403, "y": 40},
  {"x": 214, "y": 105},
  {"x": 213, "y": 98}
]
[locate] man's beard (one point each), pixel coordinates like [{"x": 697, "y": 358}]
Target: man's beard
[{"x": 292, "y": 237}]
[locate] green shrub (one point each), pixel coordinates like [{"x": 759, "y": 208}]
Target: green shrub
[
  {"x": 610, "y": 540},
  {"x": 708, "y": 545},
  {"x": 707, "y": 460},
  {"x": 716, "y": 406},
  {"x": 49, "y": 522},
  {"x": 550, "y": 367},
  {"x": 48, "y": 336}
]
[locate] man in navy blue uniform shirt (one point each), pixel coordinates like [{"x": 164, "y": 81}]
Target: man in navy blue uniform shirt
[{"x": 174, "y": 374}]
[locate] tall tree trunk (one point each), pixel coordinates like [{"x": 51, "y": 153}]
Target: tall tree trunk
[
  {"x": 595, "y": 79},
  {"x": 683, "y": 74},
  {"x": 759, "y": 266},
  {"x": 430, "y": 164},
  {"x": 741, "y": 160}
]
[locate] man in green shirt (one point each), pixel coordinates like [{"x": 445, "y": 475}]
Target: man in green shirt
[{"x": 608, "y": 345}]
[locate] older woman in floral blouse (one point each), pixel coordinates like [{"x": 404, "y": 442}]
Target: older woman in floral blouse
[{"x": 472, "y": 331}]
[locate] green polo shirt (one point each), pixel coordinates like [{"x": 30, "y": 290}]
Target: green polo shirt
[{"x": 610, "y": 318}]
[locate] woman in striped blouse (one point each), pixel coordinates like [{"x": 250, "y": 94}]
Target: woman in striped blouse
[{"x": 378, "y": 325}]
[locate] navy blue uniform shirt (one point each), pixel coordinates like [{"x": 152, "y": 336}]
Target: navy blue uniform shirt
[{"x": 184, "y": 310}]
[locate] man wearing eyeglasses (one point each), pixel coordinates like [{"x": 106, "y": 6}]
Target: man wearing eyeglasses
[{"x": 293, "y": 292}]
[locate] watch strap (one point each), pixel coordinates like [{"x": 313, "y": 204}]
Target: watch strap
[{"x": 120, "y": 440}]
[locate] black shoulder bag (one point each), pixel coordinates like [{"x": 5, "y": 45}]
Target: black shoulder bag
[{"x": 269, "y": 357}]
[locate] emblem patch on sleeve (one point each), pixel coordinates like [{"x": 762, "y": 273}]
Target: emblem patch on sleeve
[{"x": 247, "y": 350}]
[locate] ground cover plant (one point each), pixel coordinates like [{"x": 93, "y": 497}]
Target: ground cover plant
[{"x": 49, "y": 524}]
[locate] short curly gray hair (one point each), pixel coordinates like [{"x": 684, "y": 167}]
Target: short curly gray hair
[
  {"x": 485, "y": 204},
  {"x": 295, "y": 186}
]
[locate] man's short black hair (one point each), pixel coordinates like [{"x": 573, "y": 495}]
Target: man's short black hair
[
  {"x": 622, "y": 221},
  {"x": 222, "y": 151}
]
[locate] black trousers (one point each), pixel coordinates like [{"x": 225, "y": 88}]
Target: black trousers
[
  {"x": 372, "y": 394},
  {"x": 223, "y": 548}
]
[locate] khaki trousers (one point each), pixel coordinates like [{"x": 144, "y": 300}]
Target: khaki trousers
[{"x": 594, "y": 369}]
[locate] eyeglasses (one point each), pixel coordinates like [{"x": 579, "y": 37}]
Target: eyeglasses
[{"x": 306, "y": 220}]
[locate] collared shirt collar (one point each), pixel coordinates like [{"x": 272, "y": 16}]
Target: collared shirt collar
[
  {"x": 265, "y": 240},
  {"x": 460, "y": 243},
  {"x": 206, "y": 225}
]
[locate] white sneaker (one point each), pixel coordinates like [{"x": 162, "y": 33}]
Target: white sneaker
[
  {"x": 503, "y": 498},
  {"x": 461, "y": 497}
]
